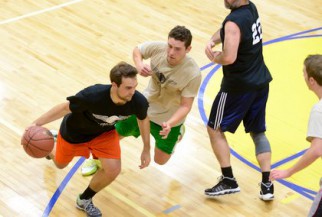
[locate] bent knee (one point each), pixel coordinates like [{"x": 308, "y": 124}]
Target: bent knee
[
  {"x": 60, "y": 166},
  {"x": 261, "y": 142},
  {"x": 112, "y": 172},
  {"x": 160, "y": 161},
  {"x": 161, "y": 158}
]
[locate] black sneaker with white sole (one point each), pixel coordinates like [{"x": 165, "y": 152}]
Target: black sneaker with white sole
[
  {"x": 225, "y": 185},
  {"x": 267, "y": 191}
]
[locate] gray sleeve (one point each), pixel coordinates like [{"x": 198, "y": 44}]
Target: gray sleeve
[{"x": 315, "y": 125}]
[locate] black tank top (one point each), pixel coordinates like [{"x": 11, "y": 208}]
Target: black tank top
[{"x": 249, "y": 71}]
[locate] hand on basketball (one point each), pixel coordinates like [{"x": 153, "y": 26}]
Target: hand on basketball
[
  {"x": 145, "y": 159},
  {"x": 31, "y": 125},
  {"x": 145, "y": 70},
  {"x": 166, "y": 128}
]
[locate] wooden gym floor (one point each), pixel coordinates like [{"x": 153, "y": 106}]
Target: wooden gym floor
[{"x": 52, "y": 49}]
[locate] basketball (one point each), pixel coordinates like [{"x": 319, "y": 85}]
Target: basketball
[{"x": 37, "y": 141}]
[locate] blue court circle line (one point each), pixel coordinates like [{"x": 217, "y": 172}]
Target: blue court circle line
[
  {"x": 61, "y": 187},
  {"x": 301, "y": 190}
]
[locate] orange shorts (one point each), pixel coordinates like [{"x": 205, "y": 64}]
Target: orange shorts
[{"x": 106, "y": 145}]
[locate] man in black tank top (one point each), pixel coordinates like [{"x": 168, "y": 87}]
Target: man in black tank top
[{"x": 243, "y": 93}]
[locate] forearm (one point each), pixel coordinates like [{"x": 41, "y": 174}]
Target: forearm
[
  {"x": 313, "y": 153},
  {"x": 137, "y": 57},
  {"x": 216, "y": 37},
  {"x": 144, "y": 126},
  {"x": 221, "y": 58},
  {"x": 179, "y": 115},
  {"x": 53, "y": 114}
]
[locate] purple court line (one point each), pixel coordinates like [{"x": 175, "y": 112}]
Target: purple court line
[
  {"x": 290, "y": 158},
  {"x": 301, "y": 190},
  {"x": 289, "y": 37},
  {"x": 206, "y": 66},
  {"x": 61, "y": 187},
  {"x": 202, "y": 90}
]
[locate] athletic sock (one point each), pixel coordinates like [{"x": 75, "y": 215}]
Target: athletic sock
[
  {"x": 265, "y": 177},
  {"x": 87, "y": 194},
  {"x": 227, "y": 172}
]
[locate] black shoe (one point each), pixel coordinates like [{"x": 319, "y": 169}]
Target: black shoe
[
  {"x": 267, "y": 191},
  {"x": 225, "y": 185}
]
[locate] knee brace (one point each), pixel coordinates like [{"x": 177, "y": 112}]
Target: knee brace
[{"x": 261, "y": 143}]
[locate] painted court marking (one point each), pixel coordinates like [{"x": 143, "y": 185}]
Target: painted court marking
[
  {"x": 172, "y": 209},
  {"x": 61, "y": 187},
  {"x": 39, "y": 12},
  {"x": 130, "y": 203}
]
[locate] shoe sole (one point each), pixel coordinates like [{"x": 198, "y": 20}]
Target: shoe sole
[
  {"x": 267, "y": 197},
  {"x": 89, "y": 173},
  {"x": 223, "y": 192},
  {"x": 78, "y": 207}
]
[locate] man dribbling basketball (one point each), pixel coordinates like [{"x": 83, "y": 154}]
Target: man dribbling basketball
[{"x": 88, "y": 125}]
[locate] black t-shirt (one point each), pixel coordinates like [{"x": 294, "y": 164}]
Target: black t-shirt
[
  {"x": 94, "y": 112},
  {"x": 249, "y": 71}
]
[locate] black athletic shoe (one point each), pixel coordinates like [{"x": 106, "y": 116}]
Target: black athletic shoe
[
  {"x": 225, "y": 185},
  {"x": 267, "y": 191}
]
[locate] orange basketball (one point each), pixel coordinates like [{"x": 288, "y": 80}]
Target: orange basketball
[{"x": 37, "y": 141}]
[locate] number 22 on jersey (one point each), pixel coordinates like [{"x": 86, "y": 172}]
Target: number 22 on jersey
[{"x": 257, "y": 31}]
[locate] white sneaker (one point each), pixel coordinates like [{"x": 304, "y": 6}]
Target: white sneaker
[{"x": 90, "y": 167}]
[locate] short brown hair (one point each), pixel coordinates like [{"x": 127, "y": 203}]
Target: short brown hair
[
  {"x": 313, "y": 67},
  {"x": 181, "y": 33},
  {"x": 122, "y": 69}
]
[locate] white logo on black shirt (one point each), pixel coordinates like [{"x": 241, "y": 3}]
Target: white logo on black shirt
[{"x": 109, "y": 121}]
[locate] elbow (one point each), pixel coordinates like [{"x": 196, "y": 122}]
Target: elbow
[
  {"x": 319, "y": 152},
  {"x": 187, "y": 108},
  {"x": 136, "y": 51},
  {"x": 316, "y": 147},
  {"x": 228, "y": 60}
]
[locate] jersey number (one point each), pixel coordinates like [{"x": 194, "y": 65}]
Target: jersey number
[{"x": 257, "y": 32}]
